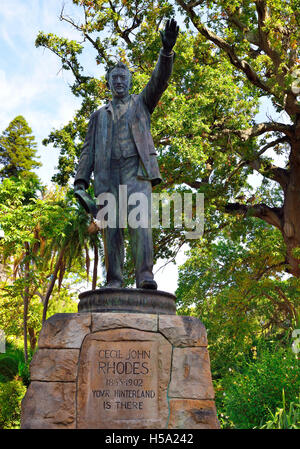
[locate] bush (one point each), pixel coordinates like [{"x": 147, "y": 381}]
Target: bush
[
  {"x": 283, "y": 418},
  {"x": 12, "y": 363},
  {"x": 8, "y": 368},
  {"x": 251, "y": 393},
  {"x": 11, "y": 395}
]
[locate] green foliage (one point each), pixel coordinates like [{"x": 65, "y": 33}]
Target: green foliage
[
  {"x": 8, "y": 368},
  {"x": 256, "y": 387},
  {"x": 261, "y": 41},
  {"x": 263, "y": 34},
  {"x": 46, "y": 235},
  {"x": 235, "y": 286},
  {"x": 64, "y": 300},
  {"x": 17, "y": 149},
  {"x": 11, "y": 395},
  {"x": 12, "y": 364},
  {"x": 14, "y": 379},
  {"x": 24, "y": 372},
  {"x": 284, "y": 418}
]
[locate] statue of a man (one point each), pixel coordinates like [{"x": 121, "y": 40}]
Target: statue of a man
[{"x": 119, "y": 149}]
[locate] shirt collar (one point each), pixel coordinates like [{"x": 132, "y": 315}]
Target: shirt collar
[{"x": 123, "y": 100}]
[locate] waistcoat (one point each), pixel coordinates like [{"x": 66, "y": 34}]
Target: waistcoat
[{"x": 123, "y": 143}]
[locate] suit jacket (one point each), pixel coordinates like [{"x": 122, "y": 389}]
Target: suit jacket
[{"x": 96, "y": 152}]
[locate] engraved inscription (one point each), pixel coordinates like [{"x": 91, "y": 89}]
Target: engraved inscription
[{"x": 124, "y": 378}]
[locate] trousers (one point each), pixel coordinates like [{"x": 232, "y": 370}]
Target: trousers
[{"x": 124, "y": 172}]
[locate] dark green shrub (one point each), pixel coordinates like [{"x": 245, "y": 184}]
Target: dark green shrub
[
  {"x": 257, "y": 388},
  {"x": 11, "y": 394},
  {"x": 8, "y": 368},
  {"x": 12, "y": 363},
  {"x": 24, "y": 372}
]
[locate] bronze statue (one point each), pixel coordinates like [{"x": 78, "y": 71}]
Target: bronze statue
[{"x": 119, "y": 149}]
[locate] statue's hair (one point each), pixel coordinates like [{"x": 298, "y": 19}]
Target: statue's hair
[{"x": 119, "y": 65}]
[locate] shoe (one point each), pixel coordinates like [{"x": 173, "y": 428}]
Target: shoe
[
  {"x": 114, "y": 284},
  {"x": 148, "y": 284}
]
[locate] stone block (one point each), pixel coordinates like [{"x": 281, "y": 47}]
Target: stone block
[
  {"x": 141, "y": 321},
  {"x": 192, "y": 414},
  {"x": 191, "y": 376},
  {"x": 49, "y": 405},
  {"x": 55, "y": 365},
  {"x": 182, "y": 330},
  {"x": 65, "y": 330}
]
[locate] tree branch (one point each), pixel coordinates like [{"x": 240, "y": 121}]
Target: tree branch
[
  {"x": 271, "y": 171},
  {"x": 124, "y": 34},
  {"x": 196, "y": 184},
  {"x": 192, "y": 4},
  {"x": 264, "y": 44},
  {"x": 272, "y": 144},
  {"x": 266, "y": 269},
  {"x": 229, "y": 49},
  {"x": 94, "y": 43},
  {"x": 271, "y": 215},
  {"x": 52, "y": 281},
  {"x": 261, "y": 128},
  {"x": 288, "y": 303},
  {"x": 253, "y": 163}
]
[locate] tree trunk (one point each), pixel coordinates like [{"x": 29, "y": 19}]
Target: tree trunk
[
  {"x": 26, "y": 300},
  {"x": 287, "y": 217},
  {"x": 52, "y": 283},
  {"x": 291, "y": 209},
  {"x": 95, "y": 270},
  {"x": 32, "y": 338}
]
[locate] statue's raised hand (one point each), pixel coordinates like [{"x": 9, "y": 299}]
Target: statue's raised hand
[{"x": 169, "y": 35}]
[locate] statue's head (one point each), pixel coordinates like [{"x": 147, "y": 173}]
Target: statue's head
[{"x": 118, "y": 79}]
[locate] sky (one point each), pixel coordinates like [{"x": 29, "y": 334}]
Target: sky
[{"x": 32, "y": 85}]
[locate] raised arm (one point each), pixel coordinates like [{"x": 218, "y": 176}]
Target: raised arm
[{"x": 163, "y": 69}]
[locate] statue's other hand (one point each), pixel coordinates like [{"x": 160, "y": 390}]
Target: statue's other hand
[
  {"x": 169, "y": 35},
  {"x": 79, "y": 186}
]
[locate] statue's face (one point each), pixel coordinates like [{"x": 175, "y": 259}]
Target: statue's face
[{"x": 119, "y": 82}]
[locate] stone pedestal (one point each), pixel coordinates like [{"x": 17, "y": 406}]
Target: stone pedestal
[
  {"x": 120, "y": 371},
  {"x": 130, "y": 300}
]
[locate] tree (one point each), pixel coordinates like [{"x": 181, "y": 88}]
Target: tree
[
  {"x": 46, "y": 239},
  {"x": 261, "y": 40},
  {"x": 234, "y": 286},
  {"x": 70, "y": 250},
  {"x": 240, "y": 53},
  {"x": 17, "y": 149}
]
